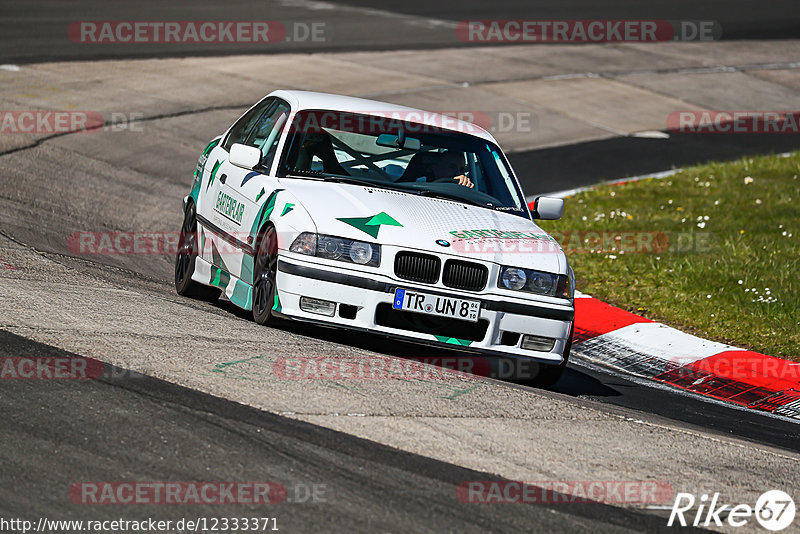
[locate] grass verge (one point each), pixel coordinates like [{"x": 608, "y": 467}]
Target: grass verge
[{"x": 713, "y": 250}]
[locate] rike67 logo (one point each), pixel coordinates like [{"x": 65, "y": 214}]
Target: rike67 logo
[{"x": 774, "y": 510}]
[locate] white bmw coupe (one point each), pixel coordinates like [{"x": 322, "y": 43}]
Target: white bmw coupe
[{"x": 377, "y": 218}]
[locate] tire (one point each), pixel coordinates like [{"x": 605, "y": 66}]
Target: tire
[
  {"x": 550, "y": 374},
  {"x": 185, "y": 261},
  {"x": 265, "y": 272}
]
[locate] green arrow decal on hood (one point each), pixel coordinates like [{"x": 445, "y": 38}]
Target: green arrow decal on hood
[{"x": 371, "y": 225}]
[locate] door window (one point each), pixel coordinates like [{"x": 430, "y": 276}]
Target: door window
[{"x": 244, "y": 125}]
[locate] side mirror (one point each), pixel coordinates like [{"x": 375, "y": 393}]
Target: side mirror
[
  {"x": 548, "y": 208},
  {"x": 245, "y": 156}
]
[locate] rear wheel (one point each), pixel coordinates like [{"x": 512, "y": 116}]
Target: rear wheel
[
  {"x": 265, "y": 272},
  {"x": 185, "y": 261}
]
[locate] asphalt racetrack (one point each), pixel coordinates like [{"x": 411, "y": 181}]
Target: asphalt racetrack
[{"x": 188, "y": 392}]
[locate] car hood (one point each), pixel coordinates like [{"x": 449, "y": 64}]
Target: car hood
[{"x": 423, "y": 223}]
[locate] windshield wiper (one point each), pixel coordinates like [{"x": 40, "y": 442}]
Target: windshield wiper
[
  {"x": 335, "y": 178},
  {"x": 303, "y": 173},
  {"x": 322, "y": 175},
  {"x": 346, "y": 180},
  {"x": 448, "y": 196}
]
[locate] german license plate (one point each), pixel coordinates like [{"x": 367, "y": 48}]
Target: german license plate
[{"x": 417, "y": 301}]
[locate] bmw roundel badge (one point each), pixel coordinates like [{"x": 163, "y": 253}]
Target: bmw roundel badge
[{"x": 442, "y": 243}]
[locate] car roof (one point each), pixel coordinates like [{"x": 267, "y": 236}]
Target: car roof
[{"x": 303, "y": 100}]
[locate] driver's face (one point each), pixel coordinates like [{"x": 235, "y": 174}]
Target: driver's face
[{"x": 453, "y": 165}]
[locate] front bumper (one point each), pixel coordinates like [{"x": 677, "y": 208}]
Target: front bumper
[{"x": 369, "y": 298}]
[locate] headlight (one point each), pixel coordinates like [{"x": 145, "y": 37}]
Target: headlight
[
  {"x": 513, "y": 278},
  {"x": 337, "y": 248},
  {"x": 542, "y": 283},
  {"x": 361, "y": 253},
  {"x": 517, "y": 279},
  {"x": 331, "y": 248}
]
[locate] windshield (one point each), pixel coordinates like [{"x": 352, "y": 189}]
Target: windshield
[{"x": 395, "y": 154}]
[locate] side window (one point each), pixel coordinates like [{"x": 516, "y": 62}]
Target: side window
[
  {"x": 241, "y": 129},
  {"x": 266, "y": 133}
]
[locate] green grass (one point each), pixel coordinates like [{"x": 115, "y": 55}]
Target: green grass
[{"x": 733, "y": 277}]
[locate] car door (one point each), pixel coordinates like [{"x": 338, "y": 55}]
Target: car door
[
  {"x": 240, "y": 192},
  {"x": 218, "y": 230}
]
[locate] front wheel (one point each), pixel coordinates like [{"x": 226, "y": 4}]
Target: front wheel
[
  {"x": 265, "y": 273},
  {"x": 185, "y": 260}
]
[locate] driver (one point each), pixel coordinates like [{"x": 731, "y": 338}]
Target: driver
[
  {"x": 434, "y": 166},
  {"x": 451, "y": 164}
]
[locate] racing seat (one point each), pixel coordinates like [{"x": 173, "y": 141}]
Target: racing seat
[{"x": 318, "y": 144}]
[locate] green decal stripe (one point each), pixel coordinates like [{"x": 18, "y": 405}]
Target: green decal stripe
[
  {"x": 264, "y": 212},
  {"x": 211, "y": 146},
  {"x": 219, "y": 277},
  {"x": 216, "y": 257},
  {"x": 213, "y": 174},
  {"x": 195, "y": 190},
  {"x": 198, "y": 172},
  {"x": 287, "y": 208},
  {"x": 453, "y": 341},
  {"x": 248, "y": 265},
  {"x": 247, "y": 268},
  {"x": 242, "y": 295},
  {"x": 277, "y": 306},
  {"x": 270, "y": 205}
]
